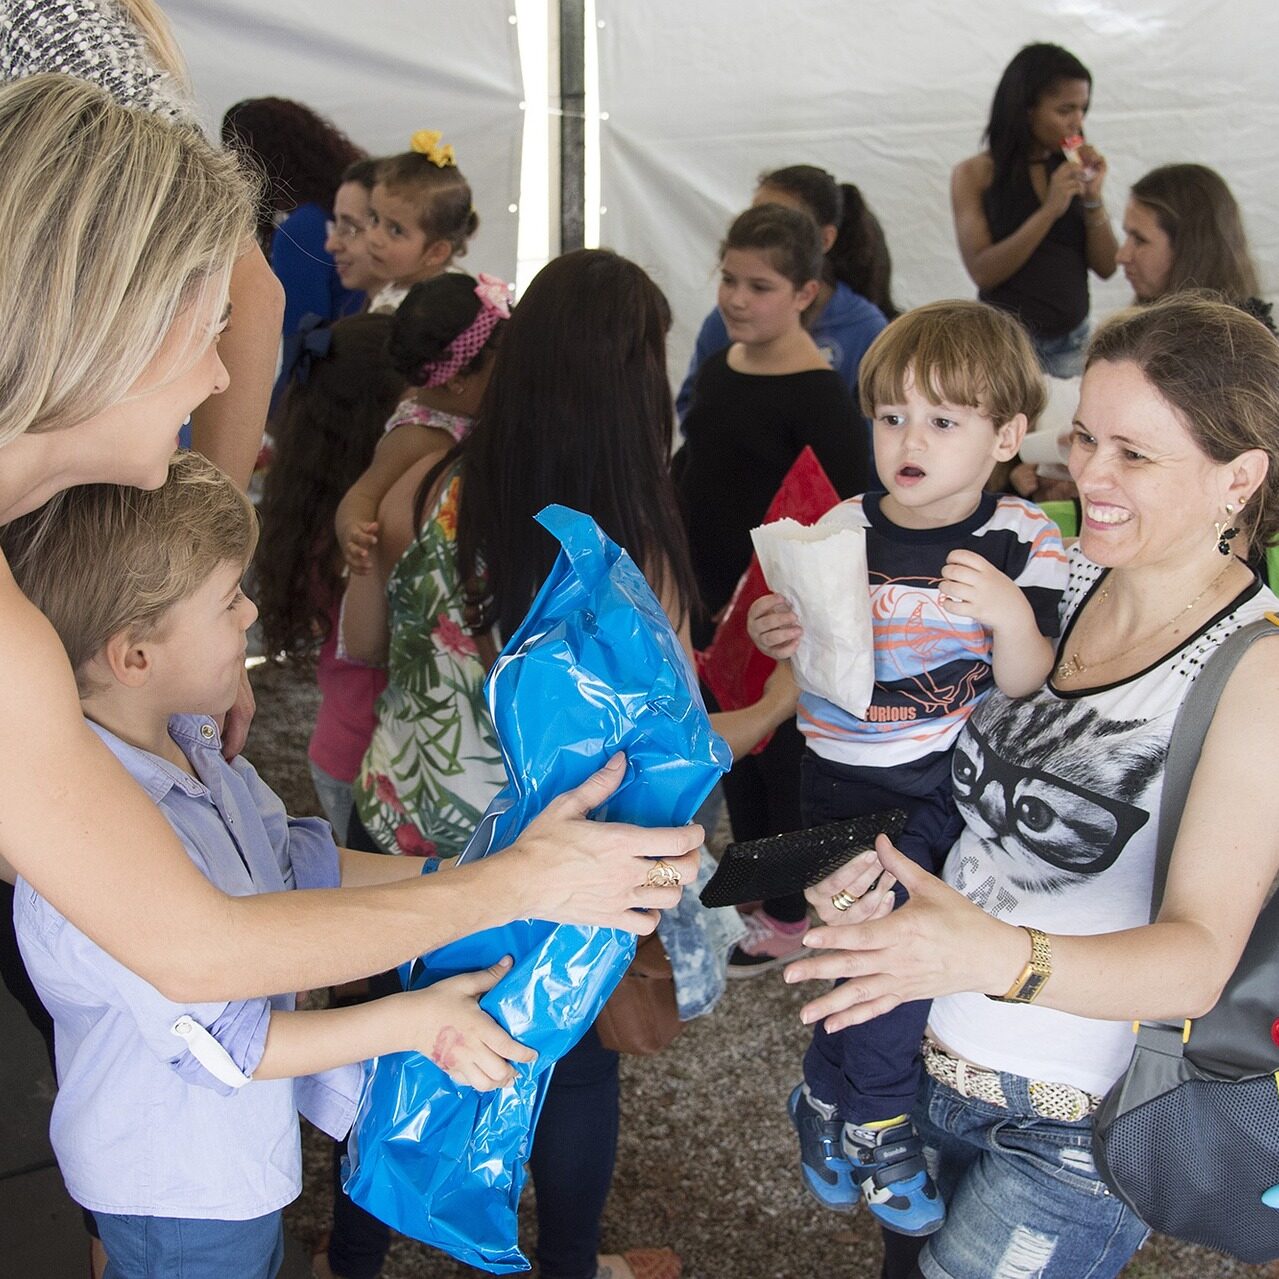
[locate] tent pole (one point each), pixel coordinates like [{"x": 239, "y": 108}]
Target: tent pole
[{"x": 572, "y": 49}]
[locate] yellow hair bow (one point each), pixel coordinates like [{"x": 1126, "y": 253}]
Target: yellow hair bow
[{"x": 427, "y": 142}]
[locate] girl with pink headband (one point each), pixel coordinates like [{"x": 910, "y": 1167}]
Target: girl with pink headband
[{"x": 442, "y": 340}]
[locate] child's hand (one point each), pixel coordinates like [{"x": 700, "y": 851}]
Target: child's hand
[
  {"x": 972, "y": 586},
  {"x": 774, "y": 627},
  {"x": 358, "y": 541},
  {"x": 458, "y": 1036}
]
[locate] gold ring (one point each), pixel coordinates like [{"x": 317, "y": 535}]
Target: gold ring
[
  {"x": 843, "y": 900},
  {"x": 662, "y": 875}
]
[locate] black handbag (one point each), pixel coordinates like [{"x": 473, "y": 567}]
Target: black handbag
[
  {"x": 779, "y": 865},
  {"x": 1188, "y": 1137}
]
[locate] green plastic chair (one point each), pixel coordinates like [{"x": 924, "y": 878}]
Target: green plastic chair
[{"x": 1066, "y": 517}]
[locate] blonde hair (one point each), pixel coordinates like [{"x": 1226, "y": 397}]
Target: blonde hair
[
  {"x": 113, "y": 222},
  {"x": 103, "y": 559},
  {"x": 151, "y": 24},
  {"x": 963, "y": 353}
]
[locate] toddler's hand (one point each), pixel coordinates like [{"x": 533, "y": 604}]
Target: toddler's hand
[
  {"x": 774, "y": 627},
  {"x": 971, "y": 586},
  {"x": 459, "y": 1037},
  {"x": 357, "y": 541}
]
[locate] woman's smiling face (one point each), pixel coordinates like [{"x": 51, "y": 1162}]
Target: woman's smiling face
[{"x": 1149, "y": 493}]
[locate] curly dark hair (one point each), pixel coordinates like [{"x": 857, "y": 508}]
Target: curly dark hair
[
  {"x": 434, "y": 312},
  {"x": 325, "y": 432},
  {"x": 301, "y": 155}
]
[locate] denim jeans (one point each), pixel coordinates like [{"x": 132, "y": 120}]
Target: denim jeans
[
  {"x": 335, "y": 799},
  {"x": 1022, "y": 1193},
  {"x": 162, "y": 1247},
  {"x": 574, "y": 1149},
  {"x": 870, "y": 1073},
  {"x": 1063, "y": 356}
]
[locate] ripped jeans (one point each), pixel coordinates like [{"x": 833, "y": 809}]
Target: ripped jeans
[{"x": 1023, "y": 1198}]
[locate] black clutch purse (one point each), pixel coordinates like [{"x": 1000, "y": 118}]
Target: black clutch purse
[{"x": 781, "y": 864}]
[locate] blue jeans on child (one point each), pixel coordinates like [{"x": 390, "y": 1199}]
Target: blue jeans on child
[
  {"x": 335, "y": 799},
  {"x": 872, "y": 1072},
  {"x": 166, "y": 1247},
  {"x": 1022, "y": 1193}
]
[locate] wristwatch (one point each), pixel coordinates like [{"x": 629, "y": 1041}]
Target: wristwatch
[{"x": 1032, "y": 979}]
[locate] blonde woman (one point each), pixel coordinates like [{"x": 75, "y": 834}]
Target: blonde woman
[
  {"x": 121, "y": 233},
  {"x": 128, "y": 49}
]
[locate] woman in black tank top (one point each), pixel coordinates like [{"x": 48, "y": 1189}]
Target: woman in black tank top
[{"x": 1028, "y": 210}]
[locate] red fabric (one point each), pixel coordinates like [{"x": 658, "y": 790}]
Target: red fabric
[{"x": 732, "y": 667}]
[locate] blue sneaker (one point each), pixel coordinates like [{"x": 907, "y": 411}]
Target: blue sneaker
[
  {"x": 828, "y": 1173},
  {"x": 888, "y": 1165}
]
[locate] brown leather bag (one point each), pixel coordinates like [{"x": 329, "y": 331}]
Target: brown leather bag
[{"x": 641, "y": 1016}]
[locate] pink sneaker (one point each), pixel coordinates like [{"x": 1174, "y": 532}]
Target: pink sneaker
[{"x": 769, "y": 943}]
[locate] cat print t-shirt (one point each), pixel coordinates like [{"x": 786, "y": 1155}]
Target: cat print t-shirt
[{"x": 1060, "y": 798}]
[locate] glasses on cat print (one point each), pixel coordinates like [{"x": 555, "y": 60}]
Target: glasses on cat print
[
  {"x": 344, "y": 229},
  {"x": 1067, "y": 826}
]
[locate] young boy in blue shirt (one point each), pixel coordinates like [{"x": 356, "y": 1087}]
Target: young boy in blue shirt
[
  {"x": 965, "y": 587},
  {"x": 176, "y": 1123}
]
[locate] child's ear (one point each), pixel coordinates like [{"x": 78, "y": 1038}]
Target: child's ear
[
  {"x": 830, "y": 234},
  {"x": 128, "y": 658},
  {"x": 807, "y": 294},
  {"x": 1008, "y": 438},
  {"x": 438, "y": 253}
]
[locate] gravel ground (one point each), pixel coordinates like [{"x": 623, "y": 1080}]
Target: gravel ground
[{"x": 707, "y": 1159}]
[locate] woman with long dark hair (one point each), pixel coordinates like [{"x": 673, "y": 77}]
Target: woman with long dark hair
[
  {"x": 1029, "y": 215},
  {"x": 577, "y": 411}
]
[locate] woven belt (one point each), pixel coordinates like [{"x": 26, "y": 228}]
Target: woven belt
[{"x": 1051, "y": 1100}]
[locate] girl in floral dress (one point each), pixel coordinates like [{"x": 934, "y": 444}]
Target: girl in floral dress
[{"x": 432, "y": 764}]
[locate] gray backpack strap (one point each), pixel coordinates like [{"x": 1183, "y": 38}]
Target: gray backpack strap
[{"x": 1188, "y": 733}]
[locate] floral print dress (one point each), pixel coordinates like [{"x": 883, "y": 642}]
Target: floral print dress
[{"x": 433, "y": 764}]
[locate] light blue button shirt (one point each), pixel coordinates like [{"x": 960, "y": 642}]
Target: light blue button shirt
[{"x": 155, "y": 1114}]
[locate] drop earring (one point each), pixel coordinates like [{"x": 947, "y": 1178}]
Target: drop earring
[{"x": 1226, "y": 530}]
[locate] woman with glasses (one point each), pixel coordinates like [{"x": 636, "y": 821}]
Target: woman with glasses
[
  {"x": 303, "y": 158},
  {"x": 1045, "y": 897},
  {"x": 344, "y": 235}
]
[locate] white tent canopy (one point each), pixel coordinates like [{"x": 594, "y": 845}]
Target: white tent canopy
[{"x": 696, "y": 99}]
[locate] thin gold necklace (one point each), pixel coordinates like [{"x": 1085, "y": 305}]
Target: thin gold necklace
[{"x": 1073, "y": 665}]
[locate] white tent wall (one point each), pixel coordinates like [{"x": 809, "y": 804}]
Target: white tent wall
[
  {"x": 698, "y": 98},
  {"x": 379, "y": 72}
]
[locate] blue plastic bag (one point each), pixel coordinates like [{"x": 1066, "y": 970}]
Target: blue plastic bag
[{"x": 594, "y": 668}]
